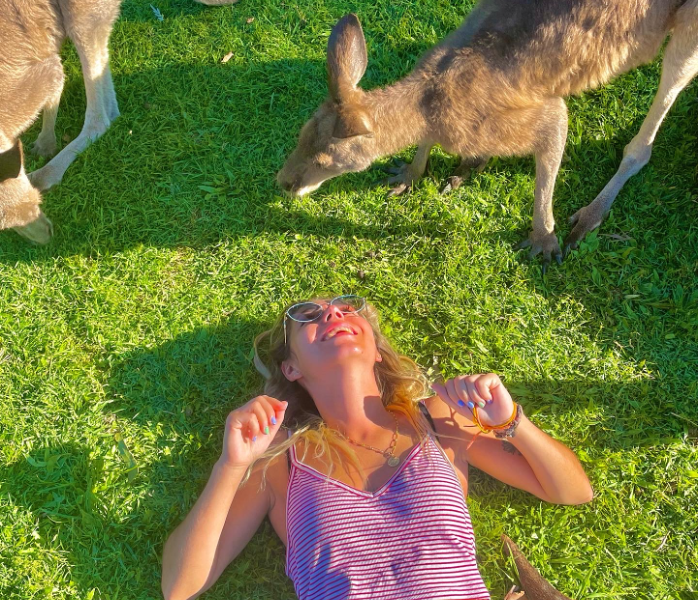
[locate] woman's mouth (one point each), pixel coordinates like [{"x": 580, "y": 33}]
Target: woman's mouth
[{"x": 336, "y": 331}]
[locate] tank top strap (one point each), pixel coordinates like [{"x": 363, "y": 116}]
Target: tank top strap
[{"x": 291, "y": 453}]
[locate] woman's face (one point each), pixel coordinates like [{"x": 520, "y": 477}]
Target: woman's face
[{"x": 332, "y": 339}]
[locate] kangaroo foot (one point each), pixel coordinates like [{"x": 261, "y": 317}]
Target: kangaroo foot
[
  {"x": 534, "y": 585},
  {"x": 547, "y": 244},
  {"x": 466, "y": 169},
  {"x": 403, "y": 177},
  {"x": 584, "y": 221},
  {"x": 45, "y": 145},
  {"x": 44, "y": 178}
]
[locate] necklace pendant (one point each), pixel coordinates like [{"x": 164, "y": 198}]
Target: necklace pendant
[{"x": 393, "y": 461}]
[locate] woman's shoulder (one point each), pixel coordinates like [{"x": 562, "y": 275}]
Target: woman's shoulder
[
  {"x": 436, "y": 408},
  {"x": 275, "y": 470},
  {"x": 447, "y": 422}
]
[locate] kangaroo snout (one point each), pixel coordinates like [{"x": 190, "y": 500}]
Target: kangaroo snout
[
  {"x": 39, "y": 231},
  {"x": 287, "y": 182},
  {"x": 298, "y": 181}
]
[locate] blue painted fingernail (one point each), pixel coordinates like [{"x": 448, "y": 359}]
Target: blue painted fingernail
[
  {"x": 460, "y": 403},
  {"x": 255, "y": 437},
  {"x": 273, "y": 420},
  {"x": 482, "y": 404},
  {"x": 470, "y": 404}
]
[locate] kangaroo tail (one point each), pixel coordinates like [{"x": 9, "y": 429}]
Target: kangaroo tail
[{"x": 533, "y": 584}]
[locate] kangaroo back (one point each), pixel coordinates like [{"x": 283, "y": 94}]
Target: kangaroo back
[{"x": 558, "y": 47}]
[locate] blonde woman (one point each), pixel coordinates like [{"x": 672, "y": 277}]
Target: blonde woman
[{"x": 365, "y": 485}]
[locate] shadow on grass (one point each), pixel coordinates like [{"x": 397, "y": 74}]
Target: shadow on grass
[{"x": 108, "y": 509}]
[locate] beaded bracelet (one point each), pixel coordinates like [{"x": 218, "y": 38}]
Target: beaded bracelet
[
  {"x": 504, "y": 430},
  {"x": 509, "y": 432}
]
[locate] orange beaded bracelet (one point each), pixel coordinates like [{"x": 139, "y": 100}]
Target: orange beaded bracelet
[{"x": 487, "y": 428}]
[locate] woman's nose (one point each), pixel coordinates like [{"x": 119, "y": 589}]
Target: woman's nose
[{"x": 333, "y": 312}]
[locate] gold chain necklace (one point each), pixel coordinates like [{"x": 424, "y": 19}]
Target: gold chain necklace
[{"x": 391, "y": 460}]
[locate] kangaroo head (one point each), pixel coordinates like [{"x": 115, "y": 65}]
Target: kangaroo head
[
  {"x": 339, "y": 136},
  {"x": 19, "y": 200}
]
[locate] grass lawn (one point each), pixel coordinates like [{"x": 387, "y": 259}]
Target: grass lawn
[{"x": 125, "y": 342}]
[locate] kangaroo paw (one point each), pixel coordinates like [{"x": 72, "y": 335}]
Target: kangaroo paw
[
  {"x": 453, "y": 183},
  {"x": 402, "y": 179},
  {"x": 584, "y": 221},
  {"x": 545, "y": 243}
]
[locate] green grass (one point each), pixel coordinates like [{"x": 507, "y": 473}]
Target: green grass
[{"x": 125, "y": 342}]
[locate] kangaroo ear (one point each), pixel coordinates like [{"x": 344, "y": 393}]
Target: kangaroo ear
[
  {"x": 352, "y": 122},
  {"x": 346, "y": 57},
  {"x": 11, "y": 162}
]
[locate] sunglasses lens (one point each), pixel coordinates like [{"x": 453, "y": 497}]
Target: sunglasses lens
[
  {"x": 306, "y": 311},
  {"x": 350, "y": 303}
]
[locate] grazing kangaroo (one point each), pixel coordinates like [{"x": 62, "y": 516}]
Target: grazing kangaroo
[
  {"x": 535, "y": 587},
  {"x": 495, "y": 87},
  {"x": 31, "y": 80}
]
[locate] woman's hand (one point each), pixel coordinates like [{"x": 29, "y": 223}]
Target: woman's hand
[
  {"x": 250, "y": 429},
  {"x": 485, "y": 392}
]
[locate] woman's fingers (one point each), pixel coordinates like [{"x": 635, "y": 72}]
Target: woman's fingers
[
  {"x": 261, "y": 415},
  {"x": 485, "y": 383},
  {"x": 252, "y": 427},
  {"x": 454, "y": 395},
  {"x": 458, "y": 392},
  {"x": 474, "y": 396}
]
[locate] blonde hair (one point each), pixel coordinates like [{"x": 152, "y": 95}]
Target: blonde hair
[{"x": 400, "y": 380}]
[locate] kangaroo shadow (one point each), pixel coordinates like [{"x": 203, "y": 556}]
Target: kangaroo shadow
[
  {"x": 194, "y": 186},
  {"x": 185, "y": 388},
  {"x": 104, "y": 509}
]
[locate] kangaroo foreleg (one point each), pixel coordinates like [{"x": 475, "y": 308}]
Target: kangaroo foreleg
[
  {"x": 549, "y": 148},
  {"x": 408, "y": 173}
]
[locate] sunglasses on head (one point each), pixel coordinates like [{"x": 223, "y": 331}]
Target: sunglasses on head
[{"x": 305, "y": 312}]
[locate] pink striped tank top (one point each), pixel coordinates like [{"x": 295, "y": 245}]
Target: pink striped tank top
[{"x": 412, "y": 539}]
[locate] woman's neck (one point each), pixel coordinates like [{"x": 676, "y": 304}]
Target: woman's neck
[{"x": 350, "y": 402}]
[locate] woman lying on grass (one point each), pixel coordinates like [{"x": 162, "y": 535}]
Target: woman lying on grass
[{"x": 364, "y": 486}]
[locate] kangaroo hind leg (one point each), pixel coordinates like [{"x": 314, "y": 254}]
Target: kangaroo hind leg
[
  {"x": 89, "y": 30},
  {"x": 679, "y": 67},
  {"x": 463, "y": 171}
]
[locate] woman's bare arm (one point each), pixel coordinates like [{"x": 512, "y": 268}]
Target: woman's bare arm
[
  {"x": 216, "y": 530},
  {"x": 531, "y": 460},
  {"x": 226, "y": 515}
]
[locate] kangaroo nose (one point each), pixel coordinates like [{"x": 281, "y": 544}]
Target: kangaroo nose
[{"x": 284, "y": 182}]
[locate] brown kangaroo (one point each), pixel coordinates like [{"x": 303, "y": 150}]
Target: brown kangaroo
[
  {"x": 31, "y": 80},
  {"x": 495, "y": 87},
  {"x": 534, "y": 586}
]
